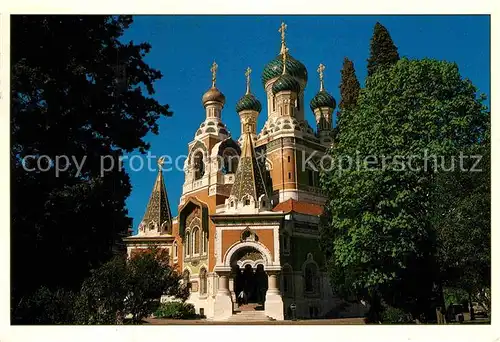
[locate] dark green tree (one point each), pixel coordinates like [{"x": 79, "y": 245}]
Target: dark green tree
[
  {"x": 383, "y": 52},
  {"x": 349, "y": 86},
  {"x": 349, "y": 91},
  {"x": 462, "y": 220},
  {"x": 77, "y": 91},
  {"x": 378, "y": 233},
  {"x": 119, "y": 288}
]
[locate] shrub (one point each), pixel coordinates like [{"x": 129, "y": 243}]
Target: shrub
[
  {"x": 45, "y": 307},
  {"x": 392, "y": 315},
  {"x": 176, "y": 310}
]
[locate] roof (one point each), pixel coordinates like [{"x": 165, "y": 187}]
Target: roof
[
  {"x": 158, "y": 209},
  {"x": 248, "y": 180},
  {"x": 299, "y": 207}
]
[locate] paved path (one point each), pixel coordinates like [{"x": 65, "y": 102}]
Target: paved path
[{"x": 338, "y": 321}]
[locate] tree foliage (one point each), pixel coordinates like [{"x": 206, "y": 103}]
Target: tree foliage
[
  {"x": 462, "y": 217},
  {"x": 113, "y": 291},
  {"x": 77, "y": 91},
  {"x": 349, "y": 86},
  {"x": 378, "y": 234},
  {"x": 383, "y": 52}
]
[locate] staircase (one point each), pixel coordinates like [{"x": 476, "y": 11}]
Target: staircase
[{"x": 249, "y": 313}]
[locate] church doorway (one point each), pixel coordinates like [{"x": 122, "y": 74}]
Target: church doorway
[
  {"x": 250, "y": 279},
  {"x": 250, "y": 284}
]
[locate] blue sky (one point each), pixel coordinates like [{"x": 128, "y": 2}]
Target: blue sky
[{"x": 184, "y": 47}]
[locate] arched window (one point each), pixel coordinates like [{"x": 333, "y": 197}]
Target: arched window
[
  {"x": 230, "y": 161},
  {"x": 176, "y": 250},
  {"x": 187, "y": 250},
  {"x": 185, "y": 278},
  {"x": 204, "y": 242},
  {"x": 198, "y": 165},
  {"x": 274, "y": 103},
  {"x": 311, "y": 277},
  {"x": 203, "y": 281},
  {"x": 196, "y": 240}
]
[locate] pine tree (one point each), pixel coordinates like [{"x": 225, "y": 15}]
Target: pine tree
[
  {"x": 383, "y": 52},
  {"x": 349, "y": 86}
]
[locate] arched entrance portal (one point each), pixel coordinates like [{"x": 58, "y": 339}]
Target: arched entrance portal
[{"x": 249, "y": 276}]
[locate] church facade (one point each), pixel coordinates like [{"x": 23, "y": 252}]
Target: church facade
[{"x": 248, "y": 217}]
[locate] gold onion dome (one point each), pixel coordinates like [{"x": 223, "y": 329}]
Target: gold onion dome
[
  {"x": 248, "y": 101},
  {"x": 213, "y": 94}
]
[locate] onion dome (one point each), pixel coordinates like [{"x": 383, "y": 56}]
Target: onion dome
[
  {"x": 248, "y": 101},
  {"x": 322, "y": 98},
  {"x": 213, "y": 94},
  {"x": 275, "y": 67},
  {"x": 294, "y": 67},
  {"x": 286, "y": 83}
]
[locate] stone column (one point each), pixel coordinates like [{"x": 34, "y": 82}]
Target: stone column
[
  {"x": 273, "y": 307},
  {"x": 231, "y": 290},
  {"x": 223, "y": 306}
]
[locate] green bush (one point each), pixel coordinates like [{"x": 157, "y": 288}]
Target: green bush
[
  {"x": 176, "y": 310},
  {"x": 392, "y": 315},
  {"x": 45, "y": 306}
]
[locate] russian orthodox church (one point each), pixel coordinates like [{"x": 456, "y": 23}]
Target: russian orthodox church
[{"x": 248, "y": 218}]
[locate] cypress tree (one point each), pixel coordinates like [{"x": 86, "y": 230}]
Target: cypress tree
[
  {"x": 383, "y": 52},
  {"x": 349, "y": 86},
  {"x": 349, "y": 92}
]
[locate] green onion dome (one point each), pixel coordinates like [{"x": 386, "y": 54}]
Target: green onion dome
[
  {"x": 286, "y": 82},
  {"x": 323, "y": 99},
  {"x": 248, "y": 102},
  {"x": 275, "y": 67},
  {"x": 213, "y": 94}
]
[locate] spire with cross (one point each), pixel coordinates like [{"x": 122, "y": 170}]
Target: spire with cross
[
  {"x": 320, "y": 70},
  {"x": 247, "y": 74},
  {"x": 282, "y": 30},
  {"x": 213, "y": 69}
]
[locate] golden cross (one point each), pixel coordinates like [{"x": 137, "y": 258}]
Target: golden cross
[
  {"x": 320, "y": 70},
  {"x": 213, "y": 69},
  {"x": 247, "y": 74},
  {"x": 282, "y": 31}
]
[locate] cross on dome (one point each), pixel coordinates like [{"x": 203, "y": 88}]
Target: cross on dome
[
  {"x": 320, "y": 70},
  {"x": 282, "y": 30},
  {"x": 213, "y": 69},
  {"x": 247, "y": 74}
]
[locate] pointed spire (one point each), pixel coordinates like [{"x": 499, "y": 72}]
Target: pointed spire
[
  {"x": 282, "y": 30},
  {"x": 320, "y": 70},
  {"x": 247, "y": 74},
  {"x": 213, "y": 69},
  {"x": 158, "y": 209},
  {"x": 248, "y": 180}
]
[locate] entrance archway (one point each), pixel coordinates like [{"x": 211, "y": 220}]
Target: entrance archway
[{"x": 249, "y": 275}]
